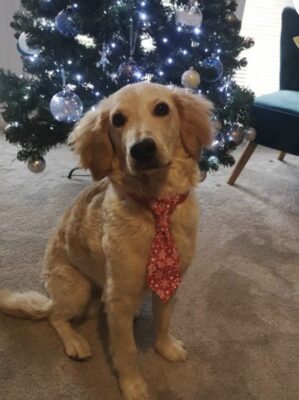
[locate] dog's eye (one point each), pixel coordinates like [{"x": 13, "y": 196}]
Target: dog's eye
[
  {"x": 161, "y": 109},
  {"x": 119, "y": 120}
]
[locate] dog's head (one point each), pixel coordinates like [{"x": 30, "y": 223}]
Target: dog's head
[{"x": 140, "y": 126}]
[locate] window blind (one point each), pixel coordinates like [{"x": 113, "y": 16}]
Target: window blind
[{"x": 262, "y": 21}]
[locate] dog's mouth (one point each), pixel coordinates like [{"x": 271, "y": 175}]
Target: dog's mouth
[{"x": 152, "y": 167}]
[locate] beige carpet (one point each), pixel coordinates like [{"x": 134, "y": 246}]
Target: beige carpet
[{"x": 237, "y": 310}]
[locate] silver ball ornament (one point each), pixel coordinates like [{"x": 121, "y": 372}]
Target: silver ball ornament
[
  {"x": 129, "y": 72},
  {"x": 36, "y": 164},
  {"x": 190, "y": 79},
  {"x": 236, "y": 134},
  {"x": 214, "y": 161},
  {"x": 250, "y": 134},
  {"x": 66, "y": 107}
]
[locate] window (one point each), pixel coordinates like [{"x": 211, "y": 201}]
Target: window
[{"x": 262, "y": 21}]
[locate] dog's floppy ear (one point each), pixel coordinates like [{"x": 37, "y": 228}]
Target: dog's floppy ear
[
  {"x": 90, "y": 140},
  {"x": 196, "y": 126}
]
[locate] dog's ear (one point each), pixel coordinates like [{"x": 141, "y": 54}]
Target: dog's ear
[
  {"x": 196, "y": 126},
  {"x": 91, "y": 141}
]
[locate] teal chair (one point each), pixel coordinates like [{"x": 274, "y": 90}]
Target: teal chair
[{"x": 276, "y": 115}]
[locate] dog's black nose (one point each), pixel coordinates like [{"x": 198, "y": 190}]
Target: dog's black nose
[{"x": 144, "y": 150}]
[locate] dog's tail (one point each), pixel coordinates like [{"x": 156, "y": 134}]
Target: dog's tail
[{"x": 25, "y": 305}]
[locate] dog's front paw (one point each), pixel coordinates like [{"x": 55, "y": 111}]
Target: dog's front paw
[
  {"x": 134, "y": 389},
  {"x": 77, "y": 348},
  {"x": 172, "y": 349}
]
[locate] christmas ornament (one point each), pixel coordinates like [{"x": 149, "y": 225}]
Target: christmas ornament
[
  {"x": 36, "y": 164},
  {"x": 190, "y": 78},
  {"x": 231, "y": 17},
  {"x": 211, "y": 69},
  {"x": 86, "y": 41},
  {"x": 189, "y": 15},
  {"x": 129, "y": 71},
  {"x": 213, "y": 161},
  {"x": 104, "y": 59},
  {"x": 250, "y": 134},
  {"x": 217, "y": 125},
  {"x": 202, "y": 175},
  {"x": 65, "y": 22},
  {"x": 23, "y": 47},
  {"x": 236, "y": 134},
  {"x": 66, "y": 106}
]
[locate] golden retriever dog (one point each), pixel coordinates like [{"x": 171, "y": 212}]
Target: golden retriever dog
[{"x": 142, "y": 142}]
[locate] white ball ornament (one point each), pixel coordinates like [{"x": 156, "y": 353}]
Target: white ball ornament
[
  {"x": 189, "y": 15},
  {"x": 190, "y": 79}
]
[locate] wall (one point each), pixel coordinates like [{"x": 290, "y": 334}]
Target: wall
[
  {"x": 9, "y": 58},
  {"x": 240, "y": 9}
]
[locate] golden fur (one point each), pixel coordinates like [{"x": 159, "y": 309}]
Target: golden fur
[{"x": 103, "y": 239}]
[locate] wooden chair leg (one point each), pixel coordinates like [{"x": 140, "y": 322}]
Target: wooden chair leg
[
  {"x": 242, "y": 162},
  {"x": 281, "y": 156}
]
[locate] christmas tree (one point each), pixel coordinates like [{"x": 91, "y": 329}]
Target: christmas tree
[{"x": 76, "y": 52}]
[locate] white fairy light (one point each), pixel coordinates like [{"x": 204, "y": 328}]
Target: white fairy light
[
  {"x": 179, "y": 29},
  {"x": 170, "y": 60},
  {"x": 79, "y": 77},
  {"x": 113, "y": 45},
  {"x": 197, "y": 31},
  {"x": 70, "y": 62},
  {"x": 165, "y": 40},
  {"x": 143, "y": 16}
]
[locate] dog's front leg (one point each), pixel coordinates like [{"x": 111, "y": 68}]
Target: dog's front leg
[
  {"x": 166, "y": 345},
  {"x": 120, "y": 313}
]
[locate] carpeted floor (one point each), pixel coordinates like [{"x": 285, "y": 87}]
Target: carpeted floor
[{"x": 237, "y": 310}]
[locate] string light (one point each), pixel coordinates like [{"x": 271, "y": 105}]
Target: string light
[
  {"x": 197, "y": 31},
  {"x": 143, "y": 16},
  {"x": 170, "y": 60},
  {"x": 165, "y": 40}
]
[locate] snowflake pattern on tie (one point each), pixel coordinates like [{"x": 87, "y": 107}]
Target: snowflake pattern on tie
[{"x": 163, "y": 268}]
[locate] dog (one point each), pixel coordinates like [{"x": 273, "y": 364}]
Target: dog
[{"x": 141, "y": 143}]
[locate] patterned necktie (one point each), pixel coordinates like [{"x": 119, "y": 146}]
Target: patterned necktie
[{"x": 163, "y": 268}]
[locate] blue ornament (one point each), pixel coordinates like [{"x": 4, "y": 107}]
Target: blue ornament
[
  {"x": 129, "y": 72},
  {"x": 211, "y": 69},
  {"x": 66, "y": 107},
  {"x": 65, "y": 23}
]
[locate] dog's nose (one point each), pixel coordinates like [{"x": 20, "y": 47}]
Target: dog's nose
[{"x": 144, "y": 150}]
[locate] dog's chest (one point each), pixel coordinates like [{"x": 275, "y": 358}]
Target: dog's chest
[{"x": 130, "y": 234}]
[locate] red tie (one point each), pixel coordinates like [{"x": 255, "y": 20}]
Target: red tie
[{"x": 163, "y": 268}]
